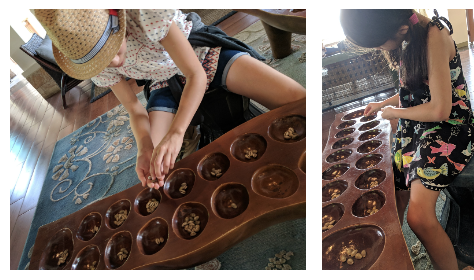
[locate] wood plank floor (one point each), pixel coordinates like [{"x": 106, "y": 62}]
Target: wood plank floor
[{"x": 37, "y": 124}]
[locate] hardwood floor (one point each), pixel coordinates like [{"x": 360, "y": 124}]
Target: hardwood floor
[{"x": 37, "y": 124}]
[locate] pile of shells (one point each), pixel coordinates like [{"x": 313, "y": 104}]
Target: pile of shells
[
  {"x": 93, "y": 267},
  {"x": 335, "y": 194},
  {"x": 151, "y": 205},
  {"x": 191, "y": 224},
  {"x": 279, "y": 261},
  {"x": 120, "y": 217},
  {"x": 373, "y": 182},
  {"x": 349, "y": 254},
  {"x": 372, "y": 211},
  {"x": 249, "y": 153},
  {"x": 371, "y": 207},
  {"x": 62, "y": 256},
  {"x": 329, "y": 225},
  {"x": 290, "y": 134},
  {"x": 122, "y": 254},
  {"x": 159, "y": 240},
  {"x": 183, "y": 188},
  {"x": 216, "y": 172}
]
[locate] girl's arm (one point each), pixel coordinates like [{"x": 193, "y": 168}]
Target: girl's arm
[
  {"x": 179, "y": 49},
  {"x": 440, "y": 50},
  {"x": 140, "y": 127},
  {"x": 374, "y": 107},
  {"x": 392, "y": 101}
]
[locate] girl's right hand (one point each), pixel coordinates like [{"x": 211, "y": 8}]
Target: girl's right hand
[
  {"x": 373, "y": 107},
  {"x": 143, "y": 165}
]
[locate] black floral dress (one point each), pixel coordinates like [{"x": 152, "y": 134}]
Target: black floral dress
[{"x": 434, "y": 152}]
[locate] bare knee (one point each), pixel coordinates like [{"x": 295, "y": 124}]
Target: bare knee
[{"x": 420, "y": 220}]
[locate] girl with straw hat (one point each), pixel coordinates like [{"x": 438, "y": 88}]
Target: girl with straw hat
[{"x": 109, "y": 45}]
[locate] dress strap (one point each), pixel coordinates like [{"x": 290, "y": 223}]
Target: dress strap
[{"x": 436, "y": 20}]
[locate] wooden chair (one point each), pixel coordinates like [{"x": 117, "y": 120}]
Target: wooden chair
[{"x": 65, "y": 82}]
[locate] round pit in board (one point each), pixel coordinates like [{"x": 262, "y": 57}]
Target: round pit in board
[
  {"x": 147, "y": 201},
  {"x": 118, "y": 249},
  {"x": 369, "y": 134},
  {"x": 274, "y": 181},
  {"x": 213, "y": 166},
  {"x": 335, "y": 171},
  {"x": 248, "y": 147},
  {"x": 334, "y": 189},
  {"x": 354, "y": 115},
  {"x": 368, "y": 118},
  {"x": 369, "y": 161},
  {"x": 370, "y": 179},
  {"x": 230, "y": 200},
  {"x": 369, "y": 125},
  {"x": 302, "y": 162},
  {"x": 332, "y": 213},
  {"x": 342, "y": 143},
  {"x": 339, "y": 155},
  {"x": 89, "y": 226},
  {"x": 370, "y": 238},
  {"x": 369, "y": 146},
  {"x": 187, "y": 217},
  {"x": 288, "y": 129},
  {"x": 179, "y": 183},
  {"x": 344, "y": 132},
  {"x": 87, "y": 259},
  {"x": 368, "y": 204},
  {"x": 346, "y": 124},
  {"x": 58, "y": 252},
  {"x": 153, "y": 236},
  {"x": 117, "y": 213}
]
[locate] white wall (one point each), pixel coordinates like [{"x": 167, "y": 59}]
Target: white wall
[
  {"x": 20, "y": 35},
  {"x": 457, "y": 17},
  {"x": 26, "y": 63}
]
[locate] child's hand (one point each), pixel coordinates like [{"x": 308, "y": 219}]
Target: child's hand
[
  {"x": 143, "y": 164},
  {"x": 164, "y": 156},
  {"x": 388, "y": 113},
  {"x": 373, "y": 107}
]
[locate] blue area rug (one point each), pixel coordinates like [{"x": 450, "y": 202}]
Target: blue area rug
[{"x": 98, "y": 160}]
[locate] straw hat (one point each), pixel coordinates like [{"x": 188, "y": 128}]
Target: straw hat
[{"x": 78, "y": 38}]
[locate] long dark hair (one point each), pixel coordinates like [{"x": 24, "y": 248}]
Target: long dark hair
[{"x": 372, "y": 28}]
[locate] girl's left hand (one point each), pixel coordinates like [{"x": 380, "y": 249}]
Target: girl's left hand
[
  {"x": 388, "y": 113},
  {"x": 164, "y": 157}
]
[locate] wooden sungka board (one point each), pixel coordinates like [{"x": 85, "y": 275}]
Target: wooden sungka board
[
  {"x": 359, "y": 208},
  {"x": 251, "y": 194}
]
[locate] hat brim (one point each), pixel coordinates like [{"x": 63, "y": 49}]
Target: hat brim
[{"x": 100, "y": 61}]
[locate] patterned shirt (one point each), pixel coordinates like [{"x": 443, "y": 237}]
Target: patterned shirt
[{"x": 146, "y": 58}]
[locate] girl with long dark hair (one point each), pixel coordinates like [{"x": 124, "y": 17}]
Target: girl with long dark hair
[{"x": 435, "y": 131}]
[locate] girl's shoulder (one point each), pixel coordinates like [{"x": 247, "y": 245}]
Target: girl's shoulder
[{"x": 441, "y": 40}]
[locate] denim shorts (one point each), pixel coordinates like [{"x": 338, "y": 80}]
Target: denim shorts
[{"x": 162, "y": 99}]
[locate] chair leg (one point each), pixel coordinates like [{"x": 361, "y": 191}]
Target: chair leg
[{"x": 63, "y": 90}]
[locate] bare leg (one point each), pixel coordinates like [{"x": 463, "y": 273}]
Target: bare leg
[
  {"x": 254, "y": 79},
  {"x": 402, "y": 198},
  {"x": 422, "y": 220}
]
